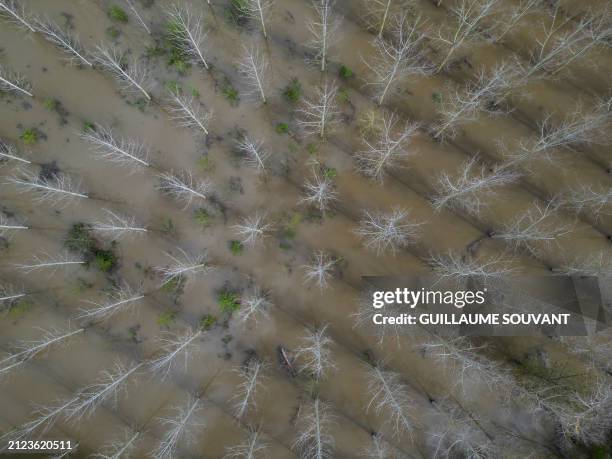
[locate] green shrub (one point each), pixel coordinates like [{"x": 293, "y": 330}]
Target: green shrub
[
  {"x": 79, "y": 239},
  {"x": 330, "y": 173},
  {"x": 116, "y": 13},
  {"x": 228, "y": 302},
  {"x": 29, "y": 136},
  {"x": 208, "y": 321},
  {"x": 105, "y": 260},
  {"x": 88, "y": 126},
  {"x": 345, "y": 73},
  {"x": 50, "y": 104},
  {"x": 236, "y": 247},
  {"x": 293, "y": 91},
  {"x": 166, "y": 319},
  {"x": 202, "y": 217},
  {"x": 436, "y": 97},
  {"x": 282, "y": 128},
  {"x": 231, "y": 94},
  {"x": 343, "y": 96}
]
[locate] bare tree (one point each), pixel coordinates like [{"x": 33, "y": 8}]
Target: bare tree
[
  {"x": 120, "y": 448},
  {"x": 57, "y": 190},
  {"x": 119, "y": 299},
  {"x": 132, "y": 76},
  {"x": 511, "y": 15},
  {"x": 187, "y": 31},
  {"x": 315, "y": 353},
  {"x": 184, "y": 265},
  {"x": 536, "y": 225},
  {"x": 580, "y": 128},
  {"x": 377, "y": 13},
  {"x": 390, "y": 231},
  {"x": 320, "y": 270},
  {"x": 183, "y": 187},
  {"x": 320, "y": 192},
  {"x": 380, "y": 449},
  {"x": 48, "y": 262},
  {"x": 13, "y": 11},
  {"x": 322, "y": 30},
  {"x": 399, "y": 58},
  {"x": 117, "y": 226},
  {"x": 460, "y": 268},
  {"x": 596, "y": 265},
  {"x": 258, "y": 10},
  {"x": 64, "y": 40},
  {"x": 111, "y": 382},
  {"x": 388, "y": 149},
  {"x": 137, "y": 15},
  {"x": 589, "y": 198},
  {"x": 390, "y": 398},
  {"x": 252, "y": 448},
  {"x": 468, "y": 26},
  {"x": 254, "y": 67},
  {"x": 252, "y": 229},
  {"x": 254, "y": 153},
  {"x": 318, "y": 116},
  {"x": 484, "y": 94},
  {"x": 254, "y": 306},
  {"x": 187, "y": 112},
  {"x": 27, "y": 350},
  {"x": 7, "y": 227},
  {"x": 9, "y": 152},
  {"x": 173, "y": 346},
  {"x": 9, "y": 294},
  {"x": 314, "y": 424},
  {"x": 251, "y": 381},
  {"x": 11, "y": 81},
  {"x": 180, "y": 429},
  {"x": 116, "y": 149}
]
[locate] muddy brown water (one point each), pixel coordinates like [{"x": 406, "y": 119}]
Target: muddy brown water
[{"x": 277, "y": 265}]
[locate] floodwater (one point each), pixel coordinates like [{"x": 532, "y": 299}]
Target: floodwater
[{"x": 277, "y": 266}]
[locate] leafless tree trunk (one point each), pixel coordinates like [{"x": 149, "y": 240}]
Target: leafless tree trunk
[
  {"x": 589, "y": 198},
  {"x": 187, "y": 31},
  {"x": 254, "y": 153},
  {"x": 64, "y": 40},
  {"x": 184, "y": 265},
  {"x": 13, "y": 11},
  {"x": 382, "y": 232},
  {"x": 173, "y": 346},
  {"x": 251, "y": 376},
  {"x": 511, "y": 16},
  {"x": 403, "y": 56},
  {"x": 314, "y": 440},
  {"x": 183, "y": 187},
  {"x": 323, "y": 29},
  {"x": 180, "y": 429},
  {"x": 254, "y": 68},
  {"x": 187, "y": 112},
  {"x": 315, "y": 354},
  {"x": 57, "y": 190},
  {"x": 253, "y": 229},
  {"x": 455, "y": 267},
  {"x": 320, "y": 192},
  {"x": 137, "y": 15},
  {"x": 121, "y": 298},
  {"x": 252, "y": 448},
  {"x": 254, "y": 306},
  {"x": 9, "y": 152},
  {"x": 14, "y": 82},
  {"x": 258, "y": 10},
  {"x": 319, "y": 115},
  {"x": 117, "y": 226},
  {"x": 116, "y": 149},
  {"x": 319, "y": 270},
  {"x": 49, "y": 263},
  {"x": 120, "y": 448},
  {"x": 131, "y": 76}
]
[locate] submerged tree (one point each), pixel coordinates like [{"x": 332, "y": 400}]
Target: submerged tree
[
  {"x": 389, "y": 397},
  {"x": 378, "y": 13},
  {"x": 384, "y": 232},
  {"x": 314, "y": 423},
  {"x": 400, "y": 57},
  {"x": 49, "y": 263},
  {"x": 7, "y": 227},
  {"x": 131, "y": 76},
  {"x": 537, "y": 225},
  {"x": 116, "y": 149},
  {"x": 257, "y": 10},
  {"x": 322, "y": 30},
  {"x": 117, "y": 226},
  {"x": 64, "y": 40},
  {"x": 173, "y": 346},
  {"x": 254, "y": 306},
  {"x": 320, "y": 192},
  {"x": 465, "y": 192},
  {"x": 388, "y": 148},
  {"x": 252, "y": 229},
  {"x": 120, "y": 448},
  {"x": 460, "y": 268},
  {"x": 11, "y": 81},
  {"x": 251, "y": 381},
  {"x": 180, "y": 429},
  {"x": 119, "y": 299},
  {"x": 27, "y": 350},
  {"x": 13, "y": 11},
  {"x": 468, "y": 26},
  {"x": 186, "y": 30},
  {"x": 9, "y": 294},
  {"x": 589, "y": 198},
  {"x": 315, "y": 353},
  {"x": 485, "y": 94},
  {"x": 318, "y": 116},
  {"x": 137, "y": 15},
  {"x": 320, "y": 270},
  {"x": 187, "y": 112},
  {"x": 252, "y": 448},
  {"x": 57, "y": 189},
  {"x": 254, "y": 153},
  {"x": 183, "y": 187},
  {"x": 107, "y": 389},
  {"x": 184, "y": 265},
  {"x": 9, "y": 152},
  {"x": 254, "y": 68},
  {"x": 510, "y": 17}
]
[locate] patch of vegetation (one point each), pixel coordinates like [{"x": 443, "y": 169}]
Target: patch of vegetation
[
  {"x": 236, "y": 12},
  {"x": 105, "y": 260},
  {"x": 228, "y": 301},
  {"x": 175, "y": 285},
  {"x": 80, "y": 240},
  {"x": 345, "y": 73},
  {"x": 202, "y": 217},
  {"x": 29, "y": 136},
  {"x": 282, "y": 128},
  {"x": 289, "y": 229},
  {"x": 116, "y": 13},
  {"x": 51, "y": 104},
  {"x": 436, "y": 97},
  {"x": 236, "y": 247},
  {"x": 208, "y": 321},
  {"x": 330, "y": 173},
  {"x": 168, "y": 227},
  {"x": 176, "y": 56},
  {"x": 113, "y": 32},
  {"x": 19, "y": 308},
  {"x": 205, "y": 163},
  {"x": 343, "y": 96},
  {"x": 293, "y": 91},
  {"x": 312, "y": 148},
  {"x": 173, "y": 86},
  {"x": 88, "y": 126},
  {"x": 166, "y": 319},
  {"x": 230, "y": 93}
]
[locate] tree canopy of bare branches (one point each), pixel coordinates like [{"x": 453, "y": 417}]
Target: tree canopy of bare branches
[
  {"x": 382, "y": 232},
  {"x": 322, "y": 30}
]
